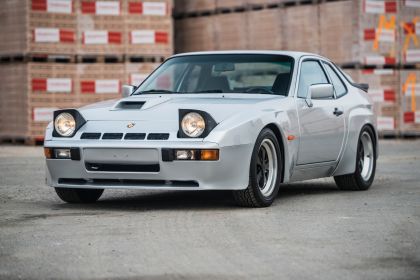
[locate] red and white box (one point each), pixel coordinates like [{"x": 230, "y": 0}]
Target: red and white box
[
  {"x": 62, "y": 85},
  {"x": 108, "y": 86},
  {"x": 53, "y": 35},
  {"x": 43, "y": 114},
  {"x": 382, "y": 95},
  {"x": 379, "y": 6},
  {"x": 104, "y": 8},
  {"x": 148, "y": 37},
  {"x": 101, "y": 37},
  {"x": 412, "y": 117},
  {"x": 148, "y": 8},
  {"x": 382, "y": 35},
  {"x": 53, "y": 6},
  {"x": 379, "y": 60}
]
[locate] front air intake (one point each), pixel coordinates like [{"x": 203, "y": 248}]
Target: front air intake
[
  {"x": 158, "y": 136},
  {"x": 112, "y": 136},
  {"x": 130, "y": 105}
]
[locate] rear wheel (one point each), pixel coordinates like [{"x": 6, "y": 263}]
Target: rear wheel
[
  {"x": 264, "y": 174},
  {"x": 363, "y": 177},
  {"x": 79, "y": 195}
]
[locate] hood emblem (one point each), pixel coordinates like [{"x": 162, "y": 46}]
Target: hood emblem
[{"x": 131, "y": 124}]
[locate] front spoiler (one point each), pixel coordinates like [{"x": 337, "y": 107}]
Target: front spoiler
[{"x": 230, "y": 172}]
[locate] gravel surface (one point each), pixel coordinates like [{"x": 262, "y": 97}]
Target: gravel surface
[{"x": 312, "y": 231}]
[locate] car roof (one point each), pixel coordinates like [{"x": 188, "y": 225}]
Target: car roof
[{"x": 293, "y": 54}]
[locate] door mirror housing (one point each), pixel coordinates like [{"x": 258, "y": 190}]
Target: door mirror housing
[
  {"x": 319, "y": 91},
  {"x": 127, "y": 90}
]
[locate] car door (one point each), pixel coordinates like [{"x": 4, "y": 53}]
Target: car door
[{"x": 322, "y": 125}]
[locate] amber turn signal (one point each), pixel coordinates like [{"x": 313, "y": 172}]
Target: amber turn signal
[
  {"x": 291, "y": 137},
  {"x": 209, "y": 154},
  {"x": 48, "y": 152}
]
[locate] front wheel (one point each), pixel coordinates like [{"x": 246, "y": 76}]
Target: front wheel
[
  {"x": 70, "y": 195},
  {"x": 264, "y": 174},
  {"x": 363, "y": 177}
]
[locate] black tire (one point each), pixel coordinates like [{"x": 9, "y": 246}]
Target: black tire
[
  {"x": 79, "y": 195},
  {"x": 355, "y": 181},
  {"x": 252, "y": 196}
]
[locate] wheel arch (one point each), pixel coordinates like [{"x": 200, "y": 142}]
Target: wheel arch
[
  {"x": 375, "y": 136},
  {"x": 280, "y": 136},
  {"x": 358, "y": 120}
]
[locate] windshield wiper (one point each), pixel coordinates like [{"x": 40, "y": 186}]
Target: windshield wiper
[
  {"x": 155, "y": 91},
  {"x": 209, "y": 91}
]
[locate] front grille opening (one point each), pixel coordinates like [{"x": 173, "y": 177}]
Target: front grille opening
[
  {"x": 90, "y": 135},
  {"x": 112, "y": 136},
  {"x": 135, "y": 136},
  {"x": 112, "y": 167},
  {"x": 127, "y": 183},
  {"x": 158, "y": 136}
]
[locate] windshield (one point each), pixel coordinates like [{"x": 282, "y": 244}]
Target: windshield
[{"x": 221, "y": 73}]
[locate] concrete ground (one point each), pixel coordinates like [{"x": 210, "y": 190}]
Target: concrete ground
[{"x": 312, "y": 231}]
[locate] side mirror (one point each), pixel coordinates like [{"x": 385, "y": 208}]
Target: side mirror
[
  {"x": 127, "y": 90},
  {"x": 319, "y": 91}
]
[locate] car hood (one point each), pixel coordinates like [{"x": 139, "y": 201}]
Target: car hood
[{"x": 165, "y": 107}]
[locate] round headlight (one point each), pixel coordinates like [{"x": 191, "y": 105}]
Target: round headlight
[
  {"x": 65, "y": 124},
  {"x": 193, "y": 124}
]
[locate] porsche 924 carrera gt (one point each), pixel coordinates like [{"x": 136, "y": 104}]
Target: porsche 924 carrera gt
[{"x": 245, "y": 121}]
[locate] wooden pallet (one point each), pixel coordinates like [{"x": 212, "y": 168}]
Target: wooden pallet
[
  {"x": 29, "y": 141},
  {"x": 37, "y": 57},
  {"x": 117, "y": 58}
]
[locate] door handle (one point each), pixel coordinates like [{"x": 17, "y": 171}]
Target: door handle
[{"x": 337, "y": 112}]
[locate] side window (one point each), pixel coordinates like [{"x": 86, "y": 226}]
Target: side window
[
  {"x": 340, "y": 88},
  {"x": 310, "y": 73}
]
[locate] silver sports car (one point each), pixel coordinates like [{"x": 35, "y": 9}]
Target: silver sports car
[{"x": 243, "y": 121}]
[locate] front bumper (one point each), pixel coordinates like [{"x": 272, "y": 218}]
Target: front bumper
[{"x": 230, "y": 172}]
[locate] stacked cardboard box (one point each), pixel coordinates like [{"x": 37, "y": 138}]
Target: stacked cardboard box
[
  {"x": 30, "y": 92},
  {"x": 14, "y": 112},
  {"x": 338, "y": 34},
  {"x": 267, "y": 33},
  {"x": 44, "y": 30},
  {"x": 384, "y": 89},
  {"x": 149, "y": 28},
  {"x": 410, "y": 101},
  {"x": 115, "y": 27},
  {"x": 197, "y": 34},
  {"x": 226, "y": 31},
  {"x": 301, "y": 28},
  {"x": 409, "y": 26},
  {"x": 135, "y": 73},
  {"x": 410, "y": 56},
  {"x": 37, "y": 26},
  {"x": 100, "y": 27}
]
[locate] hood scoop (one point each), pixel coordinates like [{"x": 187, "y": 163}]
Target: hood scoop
[{"x": 129, "y": 105}]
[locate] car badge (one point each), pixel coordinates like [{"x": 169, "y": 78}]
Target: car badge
[{"x": 131, "y": 125}]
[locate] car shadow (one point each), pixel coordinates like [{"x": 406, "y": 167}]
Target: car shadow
[{"x": 202, "y": 200}]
